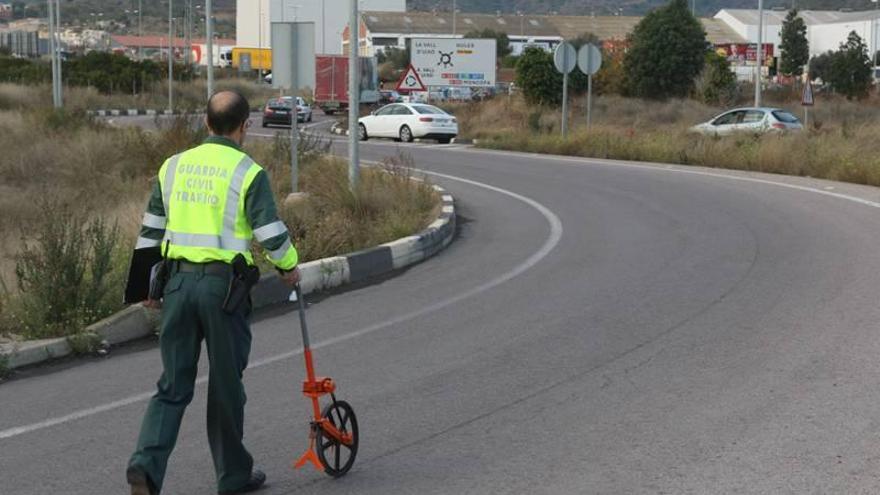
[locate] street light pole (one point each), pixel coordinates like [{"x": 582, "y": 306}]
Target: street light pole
[
  {"x": 170, "y": 55},
  {"x": 58, "y": 47},
  {"x": 760, "y": 53},
  {"x": 454, "y": 17},
  {"x": 53, "y": 53},
  {"x": 140, "y": 30},
  {"x": 354, "y": 97},
  {"x": 209, "y": 32}
]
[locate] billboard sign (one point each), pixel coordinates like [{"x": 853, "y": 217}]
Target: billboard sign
[
  {"x": 742, "y": 53},
  {"x": 455, "y": 62}
]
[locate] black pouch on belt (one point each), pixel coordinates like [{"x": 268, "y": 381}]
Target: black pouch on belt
[
  {"x": 159, "y": 275},
  {"x": 244, "y": 277}
]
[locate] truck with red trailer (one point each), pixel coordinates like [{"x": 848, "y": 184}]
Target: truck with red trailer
[{"x": 331, "y": 82}]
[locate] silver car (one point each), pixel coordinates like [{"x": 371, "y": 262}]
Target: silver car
[{"x": 750, "y": 120}]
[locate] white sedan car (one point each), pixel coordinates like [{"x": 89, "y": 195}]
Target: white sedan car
[
  {"x": 749, "y": 120},
  {"x": 408, "y": 121}
]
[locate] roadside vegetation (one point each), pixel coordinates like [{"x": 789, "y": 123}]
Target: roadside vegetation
[
  {"x": 74, "y": 190},
  {"x": 841, "y": 143}
]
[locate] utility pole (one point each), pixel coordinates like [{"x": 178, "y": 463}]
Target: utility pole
[
  {"x": 170, "y": 55},
  {"x": 760, "y": 53},
  {"x": 694, "y": 7},
  {"x": 140, "y": 30},
  {"x": 53, "y": 53},
  {"x": 454, "y": 17},
  {"x": 209, "y": 32},
  {"x": 259, "y": 60},
  {"x": 58, "y": 49},
  {"x": 354, "y": 94}
]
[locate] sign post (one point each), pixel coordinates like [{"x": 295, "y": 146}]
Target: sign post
[
  {"x": 589, "y": 61},
  {"x": 564, "y": 58},
  {"x": 807, "y": 100}
]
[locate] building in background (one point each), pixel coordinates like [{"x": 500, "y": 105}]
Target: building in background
[
  {"x": 5, "y": 11},
  {"x": 156, "y": 47},
  {"x": 826, "y": 29},
  {"x": 26, "y": 44},
  {"x": 253, "y": 19},
  {"x": 380, "y": 30}
]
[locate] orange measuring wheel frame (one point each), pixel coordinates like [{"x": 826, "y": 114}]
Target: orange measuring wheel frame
[{"x": 333, "y": 437}]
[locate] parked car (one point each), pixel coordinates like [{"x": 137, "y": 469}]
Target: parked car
[
  {"x": 386, "y": 97},
  {"x": 407, "y": 121},
  {"x": 750, "y": 120},
  {"x": 278, "y": 111}
]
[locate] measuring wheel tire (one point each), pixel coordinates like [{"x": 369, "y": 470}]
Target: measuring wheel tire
[{"x": 338, "y": 458}]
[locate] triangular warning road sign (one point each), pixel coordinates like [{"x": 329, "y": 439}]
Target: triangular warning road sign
[{"x": 410, "y": 81}]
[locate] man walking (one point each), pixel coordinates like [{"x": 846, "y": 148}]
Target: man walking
[{"x": 208, "y": 204}]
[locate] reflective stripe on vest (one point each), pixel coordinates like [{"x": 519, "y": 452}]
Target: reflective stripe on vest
[{"x": 231, "y": 243}]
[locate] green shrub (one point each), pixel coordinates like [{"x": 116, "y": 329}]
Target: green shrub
[{"x": 64, "y": 271}]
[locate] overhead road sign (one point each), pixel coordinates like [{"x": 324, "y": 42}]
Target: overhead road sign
[
  {"x": 449, "y": 62},
  {"x": 410, "y": 81}
]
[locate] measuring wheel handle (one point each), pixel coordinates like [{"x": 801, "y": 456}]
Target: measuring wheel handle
[{"x": 333, "y": 438}]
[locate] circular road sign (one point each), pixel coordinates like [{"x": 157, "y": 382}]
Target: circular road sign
[
  {"x": 564, "y": 57},
  {"x": 589, "y": 59}
]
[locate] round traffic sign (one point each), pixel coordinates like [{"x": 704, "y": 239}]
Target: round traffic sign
[
  {"x": 564, "y": 57},
  {"x": 589, "y": 59}
]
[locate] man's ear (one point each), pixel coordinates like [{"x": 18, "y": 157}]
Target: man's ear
[{"x": 206, "y": 123}]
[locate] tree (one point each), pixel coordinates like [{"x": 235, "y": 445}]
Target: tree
[
  {"x": 717, "y": 83},
  {"x": 502, "y": 42},
  {"x": 820, "y": 66},
  {"x": 584, "y": 38},
  {"x": 667, "y": 52},
  {"x": 794, "y": 45},
  {"x": 850, "y": 71},
  {"x": 538, "y": 79},
  {"x": 397, "y": 57}
]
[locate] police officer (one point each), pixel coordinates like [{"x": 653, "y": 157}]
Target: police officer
[{"x": 208, "y": 204}]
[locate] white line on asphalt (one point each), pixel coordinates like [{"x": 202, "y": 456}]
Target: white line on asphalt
[
  {"x": 548, "y": 246},
  {"x": 674, "y": 169}
]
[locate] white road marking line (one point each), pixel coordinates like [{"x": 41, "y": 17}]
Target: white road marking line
[
  {"x": 672, "y": 168},
  {"x": 549, "y": 244}
]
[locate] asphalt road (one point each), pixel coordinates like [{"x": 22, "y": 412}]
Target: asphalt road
[{"x": 597, "y": 327}]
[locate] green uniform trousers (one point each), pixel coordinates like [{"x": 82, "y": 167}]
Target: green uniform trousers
[{"x": 192, "y": 311}]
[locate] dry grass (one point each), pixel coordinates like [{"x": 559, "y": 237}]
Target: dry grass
[
  {"x": 840, "y": 145},
  {"x": 105, "y": 172},
  {"x": 188, "y": 96}
]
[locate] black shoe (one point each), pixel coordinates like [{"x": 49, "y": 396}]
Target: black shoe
[
  {"x": 139, "y": 481},
  {"x": 258, "y": 479}
]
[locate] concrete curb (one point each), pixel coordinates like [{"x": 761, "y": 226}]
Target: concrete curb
[
  {"x": 136, "y": 321},
  {"x": 336, "y": 129}
]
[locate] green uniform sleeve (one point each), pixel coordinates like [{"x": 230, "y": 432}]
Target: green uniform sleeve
[
  {"x": 269, "y": 230},
  {"x": 153, "y": 225}
]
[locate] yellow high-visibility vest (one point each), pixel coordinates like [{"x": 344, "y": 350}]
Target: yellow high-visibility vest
[{"x": 203, "y": 190}]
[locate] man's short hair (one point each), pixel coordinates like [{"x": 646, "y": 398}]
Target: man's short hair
[{"x": 227, "y": 111}]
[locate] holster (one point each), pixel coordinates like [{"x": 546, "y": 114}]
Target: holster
[
  {"x": 244, "y": 277},
  {"x": 159, "y": 275}
]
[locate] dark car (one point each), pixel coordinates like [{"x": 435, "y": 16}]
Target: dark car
[
  {"x": 386, "y": 97},
  {"x": 279, "y": 110}
]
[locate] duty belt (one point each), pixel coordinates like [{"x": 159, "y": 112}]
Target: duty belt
[{"x": 210, "y": 268}]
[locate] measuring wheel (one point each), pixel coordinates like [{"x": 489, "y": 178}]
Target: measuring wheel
[{"x": 337, "y": 457}]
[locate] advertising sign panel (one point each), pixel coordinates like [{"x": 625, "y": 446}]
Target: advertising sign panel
[
  {"x": 454, "y": 62},
  {"x": 741, "y": 53}
]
